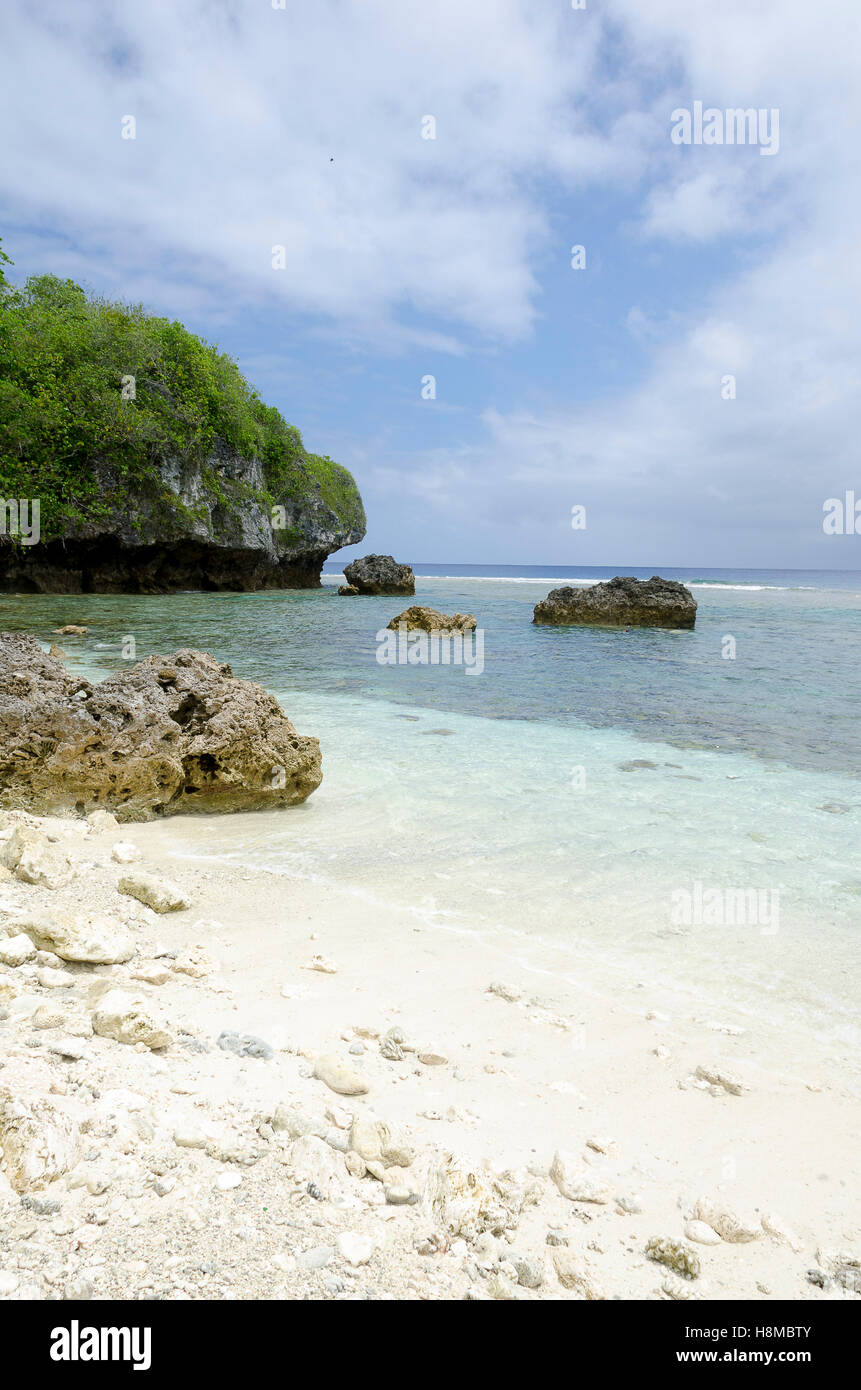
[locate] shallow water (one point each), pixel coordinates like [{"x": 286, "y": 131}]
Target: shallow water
[{"x": 578, "y": 788}]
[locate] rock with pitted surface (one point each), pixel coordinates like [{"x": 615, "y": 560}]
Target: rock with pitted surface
[
  {"x": 418, "y": 619},
  {"x": 620, "y": 602},
  {"x": 380, "y": 574},
  {"x": 168, "y": 735}
]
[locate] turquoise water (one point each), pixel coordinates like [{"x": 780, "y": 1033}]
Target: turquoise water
[{"x": 574, "y": 789}]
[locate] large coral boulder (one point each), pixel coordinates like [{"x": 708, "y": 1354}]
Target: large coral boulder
[
  {"x": 380, "y": 574},
  {"x": 418, "y": 619},
  {"x": 168, "y": 735},
  {"x": 620, "y": 602}
]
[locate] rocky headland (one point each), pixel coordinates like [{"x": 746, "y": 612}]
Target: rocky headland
[{"x": 155, "y": 465}]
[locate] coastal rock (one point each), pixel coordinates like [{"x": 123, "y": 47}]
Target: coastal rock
[
  {"x": 14, "y": 950},
  {"x": 153, "y": 891},
  {"x": 34, "y": 860},
  {"x": 574, "y": 1182},
  {"x": 39, "y": 1141},
  {"x": 127, "y": 1018},
  {"x": 620, "y": 602},
  {"x": 164, "y": 736},
  {"x": 729, "y": 1225},
  {"x": 467, "y": 1200},
  {"x": 380, "y": 574},
  {"x": 701, "y": 1233},
  {"x": 376, "y": 1142},
  {"x": 202, "y": 520},
  {"x": 572, "y": 1273},
  {"x": 776, "y": 1227},
  {"x": 86, "y": 937},
  {"x": 347, "y": 590},
  {"x": 314, "y": 1163},
  {"x": 418, "y": 619},
  {"x": 725, "y": 1080},
  {"x": 675, "y": 1255},
  {"x": 339, "y": 1076}
]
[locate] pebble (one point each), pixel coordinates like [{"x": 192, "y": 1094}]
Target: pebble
[
  {"x": 401, "y": 1196},
  {"x": 321, "y": 964},
  {"x": 510, "y": 993},
  {"x": 726, "y": 1081},
  {"x": 701, "y": 1233},
  {"x": 572, "y": 1273},
  {"x": 356, "y": 1249},
  {"x": 225, "y": 1181},
  {"x": 315, "y": 1258},
  {"x": 574, "y": 1183},
  {"x": 124, "y": 852},
  {"x": 245, "y": 1045},
  {"x": 432, "y": 1059},
  {"x": 15, "y": 950},
  {"x": 339, "y": 1076}
]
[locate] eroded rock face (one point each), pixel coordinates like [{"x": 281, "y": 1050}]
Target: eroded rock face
[
  {"x": 168, "y": 735},
  {"x": 380, "y": 574},
  {"x": 201, "y": 523},
  {"x": 418, "y": 619},
  {"x": 620, "y": 602}
]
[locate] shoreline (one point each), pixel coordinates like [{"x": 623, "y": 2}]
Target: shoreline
[{"x": 512, "y": 1079}]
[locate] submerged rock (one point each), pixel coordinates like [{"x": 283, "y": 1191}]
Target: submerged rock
[
  {"x": 380, "y": 574},
  {"x": 620, "y": 602},
  {"x": 418, "y": 619},
  {"x": 165, "y": 736}
]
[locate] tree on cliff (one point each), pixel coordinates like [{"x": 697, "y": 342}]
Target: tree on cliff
[{"x": 99, "y": 398}]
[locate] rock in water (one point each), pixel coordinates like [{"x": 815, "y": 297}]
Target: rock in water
[
  {"x": 418, "y": 619},
  {"x": 620, "y": 602},
  {"x": 380, "y": 574},
  {"x": 166, "y": 736}
]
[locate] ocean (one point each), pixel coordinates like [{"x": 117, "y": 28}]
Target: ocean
[{"x": 674, "y": 806}]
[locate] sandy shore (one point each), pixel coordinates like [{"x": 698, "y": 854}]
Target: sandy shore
[{"x": 202, "y": 1173}]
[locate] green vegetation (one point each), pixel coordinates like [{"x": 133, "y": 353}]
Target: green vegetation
[{"x": 94, "y": 395}]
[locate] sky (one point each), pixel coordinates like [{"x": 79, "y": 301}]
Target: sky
[{"x": 427, "y": 166}]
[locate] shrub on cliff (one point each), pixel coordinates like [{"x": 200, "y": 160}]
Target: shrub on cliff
[{"x": 92, "y": 389}]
